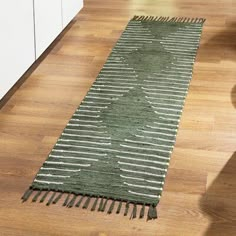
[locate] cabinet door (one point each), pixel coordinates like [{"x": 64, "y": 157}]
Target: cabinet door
[
  {"x": 48, "y": 23},
  {"x": 69, "y": 10},
  {"x": 16, "y": 41}
]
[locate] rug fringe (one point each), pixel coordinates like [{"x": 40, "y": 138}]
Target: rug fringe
[
  {"x": 44, "y": 196},
  {"x": 142, "y": 211},
  {"x": 94, "y": 205},
  {"x": 152, "y": 213},
  {"x": 100, "y": 204},
  {"x": 79, "y": 202},
  {"x": 53, "y": 197},
  {"x": 26, "y": 195},
  {"x": 104, "y": 205},
  {"x": 134, "y": 212},
  {"x": 72, "y": 201},
  {"x": 170, "y": 19},
  {"x": 86, "y": 204},
  {"x": 36, "y": 196},
  {"x": 66, "y": 200},
  {"x": 57, "y": 198},
  {"x": 119, "y": 207},
  {"x": 111, "y": 207},
  {"x": 126, "y": 209}
]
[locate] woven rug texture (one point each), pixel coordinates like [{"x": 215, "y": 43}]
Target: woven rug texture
[{"x": 117, "y": 146}]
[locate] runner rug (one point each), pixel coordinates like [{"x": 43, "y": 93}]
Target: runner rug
[{"x": 114, "y": 153}]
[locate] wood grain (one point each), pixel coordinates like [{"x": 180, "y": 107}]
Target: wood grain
[{"x": 200, "y": 193}]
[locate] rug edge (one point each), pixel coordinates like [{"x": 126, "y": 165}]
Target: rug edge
[
  {"x": 53, "y": 197},
  {"x": 169, "y": 19}
]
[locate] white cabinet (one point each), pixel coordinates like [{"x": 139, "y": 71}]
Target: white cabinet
[
  {"x": 69, "y": 9},
  {"x": 28, "y": 27},
  {"x": 16, "y": 41},
  {"x": 48, "y": 23}
]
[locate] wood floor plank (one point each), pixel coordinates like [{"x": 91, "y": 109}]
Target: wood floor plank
[{"x": 199, "y": 195}]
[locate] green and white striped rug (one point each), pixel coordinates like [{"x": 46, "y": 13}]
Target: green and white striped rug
[{"x": 114, "y": 153}]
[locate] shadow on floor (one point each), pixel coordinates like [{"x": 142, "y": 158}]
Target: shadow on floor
[
  {"x": 220, "y": 46},
  {"x": 219, "y": 202},
  {"x": 233, "y": 96}
]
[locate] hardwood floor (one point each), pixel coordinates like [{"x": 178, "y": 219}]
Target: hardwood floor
[{"x": 199, "y": 197}]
